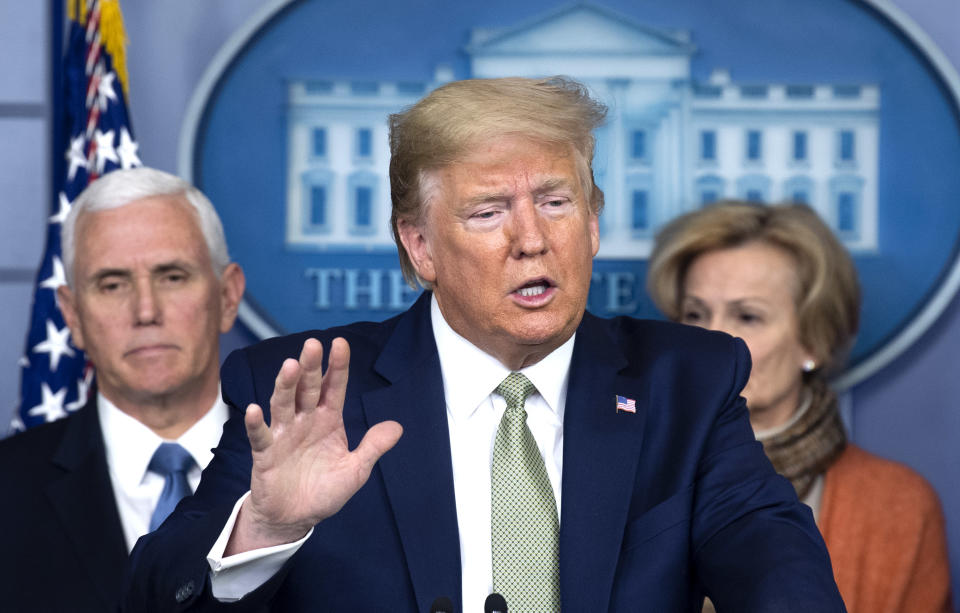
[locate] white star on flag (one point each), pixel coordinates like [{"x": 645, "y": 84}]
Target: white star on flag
[
  {"x": 56, "y": 344},
  {"x": 105, "y": 150},
  {"x": 65, "y": 206},
  {"x": 105, "y": 90},
  {"x": 128, "y": 150},
  {"x": 76, "y": 156},
  {"x": 23, "y": 362},
  {"x": 83, "y": 388},
  {"x": 56, "y": 279},
  {"x": 16, "y": 424},
  {"x": 51, "y": 407}
]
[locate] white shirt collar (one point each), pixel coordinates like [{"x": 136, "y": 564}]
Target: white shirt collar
[
  {"x": 470, "y": 375},
  {"x": 130, "y": 444}
]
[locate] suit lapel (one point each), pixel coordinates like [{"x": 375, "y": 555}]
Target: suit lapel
[
  {"x": 601, "y": 447},
  {"x": 83, "y": 502},
  {"x": 417, "y": 472}
]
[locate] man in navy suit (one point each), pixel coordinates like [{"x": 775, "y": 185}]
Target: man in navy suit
[
  {"x": 632, "y": 448},
  {"x": 149, "y": 290}
]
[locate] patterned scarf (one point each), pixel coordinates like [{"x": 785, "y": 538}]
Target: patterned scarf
[{"x": 812, "y": 443}]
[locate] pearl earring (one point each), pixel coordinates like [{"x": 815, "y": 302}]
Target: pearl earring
[{"x": 809, "y": 365}]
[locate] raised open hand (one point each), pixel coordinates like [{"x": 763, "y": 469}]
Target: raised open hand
[{"x": 303, "y": 471}]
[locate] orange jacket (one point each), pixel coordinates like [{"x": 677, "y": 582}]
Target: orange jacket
[{"x": 884, "y": 530}]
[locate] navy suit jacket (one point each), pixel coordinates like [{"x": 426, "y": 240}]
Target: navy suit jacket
[
  {"x": 61, "y": 543},
  {"x": 659, "y": 507}
]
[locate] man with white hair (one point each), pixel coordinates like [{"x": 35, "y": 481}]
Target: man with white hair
[{"x": 150, "y": 288}]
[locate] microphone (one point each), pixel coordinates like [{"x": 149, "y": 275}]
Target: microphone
[
  {"x": 495, "y": 603},
  {"x": 442, "y": 605}
]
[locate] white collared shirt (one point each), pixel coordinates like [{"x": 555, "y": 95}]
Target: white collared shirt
[
  {"x": 473, "y": 415},
  {"x": 129, "y": 447}
]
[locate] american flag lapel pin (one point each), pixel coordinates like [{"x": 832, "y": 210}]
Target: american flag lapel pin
[{"x": 627, "y": 405}]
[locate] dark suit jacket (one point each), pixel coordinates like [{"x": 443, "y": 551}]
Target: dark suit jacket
[
  {"x": 659, "y": 507},
  {"x": 61, "y": 543}
]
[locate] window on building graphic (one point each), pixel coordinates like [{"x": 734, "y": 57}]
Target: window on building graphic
[
  {"x": 799, "y": 146},
  {"x": 702, "y": 90},
  {"x": 709, "y": 189},
  {"x": 846, "y": 91},
  {"x": 363, "y": 207},
  {"x": 754, "y": 145},
  {"x": 708, "y": 145},
  {"x": 365, "y": 88},
  {"x": 364, "y": 142},
  {"x": 411, "y": 87},
  {"x": 362, "y": 197},
  {"x": 640, "y": 213},
  {"x": 846, "y": 200},
  {"x": 799, "y": 91},
  {"x": 753, "y": 91},
  {"x": 318, "y": 205},
  {"x": 319, "y": 87},
  {"x": 847, "y": 146},
  {"x": 754, "y": 187},
  {"x": 315, "y": 201},
  {"x": 846, "y": 212},
  {"x": 638, "y": 144},
  {"x": 319, "y": 144},
  {"x": 799, "y": 189}
]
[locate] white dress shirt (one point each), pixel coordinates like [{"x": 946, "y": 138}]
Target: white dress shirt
[
  {"x": 473, "y": 415},
  {"x": 470, "y": 377},
  {"x": 130, "y": 446}
]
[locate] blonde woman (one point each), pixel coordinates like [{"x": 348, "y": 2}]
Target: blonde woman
[{"x": 776, "y": 277}]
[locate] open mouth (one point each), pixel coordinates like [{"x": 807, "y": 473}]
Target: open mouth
[
  {"x": 534, "y": 288},
  {"x": 528, "y": 291}
]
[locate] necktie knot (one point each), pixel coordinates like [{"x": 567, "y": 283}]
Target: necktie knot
[
  {"x": 172, "y": 462},
  {"x": 170, "y": 458},
  {"x": 515, "y": 389}
]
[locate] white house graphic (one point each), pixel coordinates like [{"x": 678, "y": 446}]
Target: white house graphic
[{"x": 671, "y": 144}]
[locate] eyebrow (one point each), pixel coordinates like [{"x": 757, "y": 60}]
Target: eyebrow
[
  {"x": 104, "y": 273},
  {"x": 486, "y": 198},
  {"x": 170, "y": 266},
  {"x": 551, "y": 184},
  {"x": 736, "y": 302},
  {"x": 546, "y": 186},
  {"x": 163, "y": 267}
]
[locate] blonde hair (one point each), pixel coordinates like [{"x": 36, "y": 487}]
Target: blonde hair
[
  {"x": 444, "y": 125},
  {"x": 828, "y": 297}
]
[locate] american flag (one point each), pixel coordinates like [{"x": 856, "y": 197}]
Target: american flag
[
  {"x": 628, "y": 405},
  {"x": 55, "y": 377}
]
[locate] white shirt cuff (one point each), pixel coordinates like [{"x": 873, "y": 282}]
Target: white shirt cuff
[{"x": 233, "y": 577}]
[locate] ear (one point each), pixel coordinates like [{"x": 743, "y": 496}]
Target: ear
[
  {"x": 594, "y": 233},
  {"x": 418, "y": 248},
  {"x": 809, "y": 357},
  {"x": 232, "y": 284},
  {"x": 68, "y": 306}
]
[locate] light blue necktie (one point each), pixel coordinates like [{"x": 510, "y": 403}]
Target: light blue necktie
[{"x": 171, "y": 461}]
